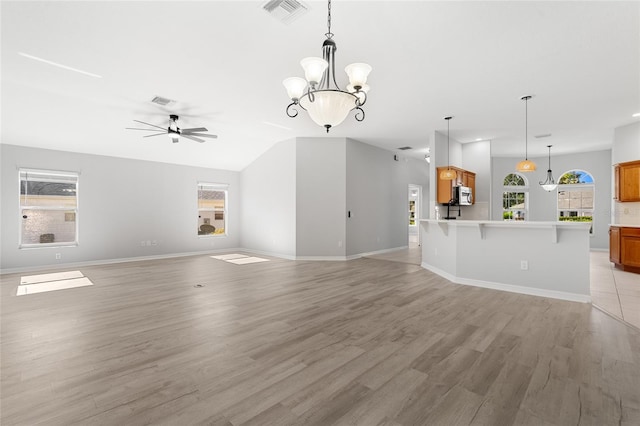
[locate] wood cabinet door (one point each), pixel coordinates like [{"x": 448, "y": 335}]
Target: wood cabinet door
[
  {"x": 629, "y": 181},
  {"x": 443, "y": 187},
  {"x": 630, "y": 246},
  {"x": 471, "y": 183},
  {"x": 614, "y": 244}
]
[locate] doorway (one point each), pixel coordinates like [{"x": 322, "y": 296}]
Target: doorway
[{"x": 415, "y": 207}]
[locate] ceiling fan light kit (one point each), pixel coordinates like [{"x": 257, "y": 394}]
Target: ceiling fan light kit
[
  {"x": 174, "y": 132},
  {"x": 319, "y": 94}
]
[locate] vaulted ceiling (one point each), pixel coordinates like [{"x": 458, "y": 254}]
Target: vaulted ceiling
[{"x": 223, "y": 63}]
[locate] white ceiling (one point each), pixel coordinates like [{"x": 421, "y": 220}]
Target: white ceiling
[{"x": 224, "y": 63}]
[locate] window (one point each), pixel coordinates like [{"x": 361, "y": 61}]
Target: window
[
  {"x": 49, "y": 208},
  {"x": 212, "y": 209},
  {"x": 515, "y": 197},
  {"x": 575, "y": 197}
]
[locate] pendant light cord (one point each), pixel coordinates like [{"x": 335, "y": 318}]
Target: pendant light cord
[
  {"x": 448, "y": 149},
  {"x": 526, "y": 123}
]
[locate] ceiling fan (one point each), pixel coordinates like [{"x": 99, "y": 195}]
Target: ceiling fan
[{"x": 175, "y": 132}]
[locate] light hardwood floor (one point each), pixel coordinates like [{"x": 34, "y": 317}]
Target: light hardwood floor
[{"x": 369, "y": 342}]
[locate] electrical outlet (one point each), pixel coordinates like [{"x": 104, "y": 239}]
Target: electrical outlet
[
  {"x": 339, "y": 243},
  {"x": 58, "y": 256},
  {"x": 524, "y": 265},
  {"x": 154, "y": 242}
]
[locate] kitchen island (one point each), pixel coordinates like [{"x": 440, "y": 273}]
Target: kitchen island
[{"x": 548, "y": 259}]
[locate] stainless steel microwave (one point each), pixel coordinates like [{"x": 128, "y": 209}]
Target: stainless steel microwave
[{"x": 464, "y": 197}]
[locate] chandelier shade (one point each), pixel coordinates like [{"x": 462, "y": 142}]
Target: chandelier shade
[
  {"x": 329, "y": 108},
  {"x": 526, "y": 165},
  {"x": 295, "y": 87},
  {"x": 314, "y": 69},
  {"x": 318, "y": 93},
  {"x": 549, "y": 184}
]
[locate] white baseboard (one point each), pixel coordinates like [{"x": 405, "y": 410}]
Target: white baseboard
[
  {"x": 111, "y": 261},
  {"x": 553, "y": 294},
  {"x": 58, "y": 266}
]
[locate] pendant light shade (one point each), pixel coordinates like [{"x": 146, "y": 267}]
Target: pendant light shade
[
  {"x": 448, "y": 174},
  {"x": 549, "y": 184},
  {"x": 526, "y": 165}
]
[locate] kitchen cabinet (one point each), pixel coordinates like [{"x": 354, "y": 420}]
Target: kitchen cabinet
[
  {"x": 444, "y": 188},
  {"x": 627, "y": 181},
  {"x": 624, "y": 248}
]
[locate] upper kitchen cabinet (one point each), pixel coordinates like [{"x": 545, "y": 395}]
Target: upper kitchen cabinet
[{"x": 627, "y": 181}]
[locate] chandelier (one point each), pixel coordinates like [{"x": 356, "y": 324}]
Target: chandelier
[
  {"x": 319, "y": 94},
  {"x": 525, "y": 165},
  {"x": 549, "y": 184}
]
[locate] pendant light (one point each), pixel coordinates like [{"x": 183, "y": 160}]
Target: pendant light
[
  {"x": 448, "y": 174},
  {"x": 526, "y": 165},
  {"x": 549, "y": 184}
]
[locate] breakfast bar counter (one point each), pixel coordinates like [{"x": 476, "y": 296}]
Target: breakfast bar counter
[{"x": 549, "y": 259}]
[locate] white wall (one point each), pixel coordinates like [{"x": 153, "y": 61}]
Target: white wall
[
  {"x": 121, "y": 202},
  {"x": 377, "y": 196},
  {"x": 320, "y": 197},
  {"x": 268, "y": 193},
  {"x": 543, "y": 205},
  {"x": 626, "y": 147},
  {"x": 476, "y": 157}
]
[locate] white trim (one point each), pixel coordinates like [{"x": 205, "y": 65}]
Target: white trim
[
  {"x": 112, "y": 261},
  {"x": 553, "y": 294},
  {"x": 193, "y": 253}
]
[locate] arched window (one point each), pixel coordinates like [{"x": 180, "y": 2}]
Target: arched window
[
  {"x": 515, "y": 197},
  {"x": 576, "y": 193}
]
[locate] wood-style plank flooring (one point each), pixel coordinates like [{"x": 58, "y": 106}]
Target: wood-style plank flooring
[{"x": 368, "y": 342}]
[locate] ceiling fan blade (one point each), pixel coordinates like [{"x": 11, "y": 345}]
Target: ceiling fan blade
[
  {"x": 201, "y": 136},
  {"x": 135, "y": 128},
  {"x": 156, "y": 134},
  {"x": 149, "y": 124},
  {"x": 194, "y": 129},
  {"x": 192, "y": 138}
]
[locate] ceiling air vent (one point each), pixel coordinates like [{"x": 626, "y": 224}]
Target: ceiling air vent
[
  {"x": 285, "y": 11},
  {"x": 161, "y": 101},
  {"x": 546, "y": 135},
  {"x": 404, "y": 148}
]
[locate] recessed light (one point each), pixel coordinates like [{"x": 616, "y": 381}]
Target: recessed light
[
  {"x": 55, "y": 64},
  {"x": 637, "y": 114},
  {"x": 478, "y": 139}
]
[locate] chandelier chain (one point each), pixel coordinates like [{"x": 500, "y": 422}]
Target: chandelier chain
[{"x": 329, "y": 34}]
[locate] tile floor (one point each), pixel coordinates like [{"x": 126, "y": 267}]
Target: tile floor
[{"x": 615, "y": 291}]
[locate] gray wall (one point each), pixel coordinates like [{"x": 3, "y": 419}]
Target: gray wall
[
  {"x": 377, "y": 196},
  {"x": 320, "y": 197},
  {"x": 626, "y": 147},
  {"x": 543, "y": 205},
  {"x": 268, "y": 193},
  {"x": 121, "y": 203}
]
